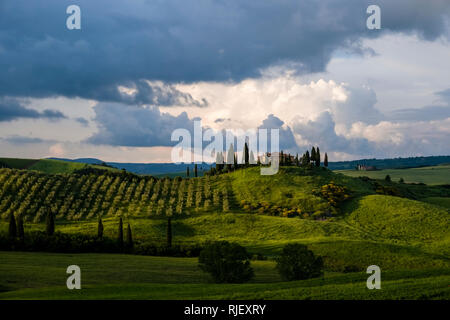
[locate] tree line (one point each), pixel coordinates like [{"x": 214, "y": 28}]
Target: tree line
[
  {"x": 50, "y": 240},
  {"x": 229, "y": 162}
]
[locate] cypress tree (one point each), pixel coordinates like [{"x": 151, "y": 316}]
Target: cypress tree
[
  {"x": 246, "y": 155},
  {"x": 50, "y": 223},
  {"x": 296, "y": 160},
  {"x": 313, "y": 155},
  {"x": 307, "y": 157},
  {"x": 120, "y": 236},
  {"x": 20, "y": 229},
  {"x": 169, "y": 232},
  {"x": 187, "y": 171},
  {"x": 100, "y": 228},
  {"x": 235, "y": 162},
  {"x": 219, "y": 162},
  {"x": 281, "y": 158},
  {"x": 195, "y": 170},
  {"x": 12, "y": 232},
  {"x": 317, "y": 157},
  {"x": 325, "y": 161},
  {"x": 129, "y": 237}
]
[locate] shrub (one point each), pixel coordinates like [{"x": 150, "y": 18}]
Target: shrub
[
  {"x": 226, "y": 262},
  {"x": 333, "y": 193},
  {"x": 297, "y": 263}
]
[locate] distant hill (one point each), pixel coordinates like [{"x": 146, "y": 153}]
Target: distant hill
[
  {"x": 158, "y": 169},
  {"x": 82, "y": 160},
  {"x": 395, "y": 163},
  {"x": 178, "y": 169}
]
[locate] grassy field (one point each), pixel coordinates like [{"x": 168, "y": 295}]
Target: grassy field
[
  {"x": 406, "y": 235},
  {"x": 356, "y": 240},
  {"x": 435, "y": 175},
  {"x": 107, "y": 276},
  {"x": 440, "y": 201}
]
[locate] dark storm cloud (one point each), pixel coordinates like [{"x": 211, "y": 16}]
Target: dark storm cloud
[
  {"x": 12, "y": 109},
  {"x": 183, "y": 41},
  {"x": 133, "y": 126}
]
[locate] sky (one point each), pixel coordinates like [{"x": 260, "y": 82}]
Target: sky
[{"x": 118, "y": 87}]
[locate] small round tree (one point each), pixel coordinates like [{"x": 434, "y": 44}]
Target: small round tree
[
  {"x": 226, "y": 262},
  {"x": 297, "y": 263}
]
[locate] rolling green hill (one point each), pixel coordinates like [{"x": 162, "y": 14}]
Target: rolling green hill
[
  {"x": 16, "y": 163},
  {"x": 351, "y": 222},
  {"x": 49, "y": 165},
  {"x": 107, "y": 276}
]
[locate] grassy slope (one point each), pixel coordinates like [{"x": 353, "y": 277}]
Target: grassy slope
[
  {"x": 440, "y": 201},
  {"x": 16, "y": 163},
  {"x": 50, "y": 166},
  {"x": 399, "y": 220},
  {"x": 434, "y": 175},
  {"x": 361, "y": 238},
  {"x": 59, "y": 166},
  {"x": 395, "y": 233},
  {"x": 290, "y": 187},
  {"x": 106, "y": 276}
]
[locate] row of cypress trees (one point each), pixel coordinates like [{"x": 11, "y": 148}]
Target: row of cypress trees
[
  {"x": 307, "y": 159},
  {"x": 314, "y": 158},
  {"x": 16, "y": 229},
  {"x": 129, "y": 243},
  {"x": 195, "y": 171}
]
